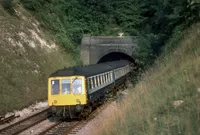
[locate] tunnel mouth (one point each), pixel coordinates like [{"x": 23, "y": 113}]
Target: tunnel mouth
[{"x": 113, "y": 56}]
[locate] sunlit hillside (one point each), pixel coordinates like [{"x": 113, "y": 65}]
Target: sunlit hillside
[
  {"x": 27, "y": 57},
  {"x": 166, "y": 101}
]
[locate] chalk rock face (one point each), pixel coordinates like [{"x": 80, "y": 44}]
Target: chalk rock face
[
  {"x": 177, "y": 103},
  {"x": 28, "y": 55},
  {"x": 198, "y": 90}
]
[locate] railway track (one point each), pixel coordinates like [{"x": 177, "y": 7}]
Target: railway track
[
  {"x": 74, "y": 126},
  {"x": 24, "y": 124},
  {"x": 60, "y": 128},
  {"x": 57, "y": 127},
  {"x": 4, "y": 120},
  {"x": 71, "y": 127}
]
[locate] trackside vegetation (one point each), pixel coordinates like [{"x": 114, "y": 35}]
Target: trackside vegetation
[
  {"x": 27, "y": 57},
  {"x": 159, "y": 26},
  {"x": 166, "y": 100},
  {"x": 152, "y": 21}
]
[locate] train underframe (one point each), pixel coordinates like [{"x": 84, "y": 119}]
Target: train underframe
[{"x": 74, "y": 111}]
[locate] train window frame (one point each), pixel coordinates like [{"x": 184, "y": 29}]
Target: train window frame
[
  {"x": 101, "y": 81},
  {"x": 79, "y": 89},
  {"x": 111, "y": 77},
  {"x": 106, "y": 76},
  {"x": 116, "y": 73},
  {"x": 91, "y": 83},
  {"x": 103, "y": 77},
  {"x": 61, "y": 81},
  {"x": 95, "y": 80},
  {"x": 98, "y": 81},
  {"x": 52, "y": 83},
  {"x": 88, "y": 83}
]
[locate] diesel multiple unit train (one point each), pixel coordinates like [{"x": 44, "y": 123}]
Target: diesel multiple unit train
[{"x": 72, "y": 92}]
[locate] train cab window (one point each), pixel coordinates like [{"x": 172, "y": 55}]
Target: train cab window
[
  {"x": 77, "y": 86},
  {"x": 66, "y": 86},
  {"x": 55, "y": 87}
]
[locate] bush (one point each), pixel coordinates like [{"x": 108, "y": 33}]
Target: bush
[{"x": 8, "y": 6}]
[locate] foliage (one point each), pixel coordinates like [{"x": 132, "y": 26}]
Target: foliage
[
  {"x": 74, "y": 18},
  {"x": 127, "y": 15},
  {"x": 166, "y": 99},
  {"x": 162, "y": 19},
  {"x": 153, "y": 21},
  {"x": 145, "y": 50},
  {"x": 8, "y": 6}
]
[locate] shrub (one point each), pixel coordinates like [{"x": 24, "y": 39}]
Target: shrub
[{"x": 8, "y": 6}]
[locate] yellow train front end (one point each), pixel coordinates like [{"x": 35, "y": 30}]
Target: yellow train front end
[{"x": 67, "y": 96}]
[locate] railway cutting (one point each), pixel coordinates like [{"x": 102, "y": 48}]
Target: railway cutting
[{"x": 24, "y": 124}]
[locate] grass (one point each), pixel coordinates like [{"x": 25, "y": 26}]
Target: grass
[
  {"x": 151, "y": 108},
  {"x": 24, "y": 70}
]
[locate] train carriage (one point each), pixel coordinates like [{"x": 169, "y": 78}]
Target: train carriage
[{"x": 73, "y": 91}]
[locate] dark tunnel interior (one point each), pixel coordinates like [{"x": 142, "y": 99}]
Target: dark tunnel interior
[{"x": 115, "y": 56}]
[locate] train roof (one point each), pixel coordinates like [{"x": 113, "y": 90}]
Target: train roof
[{"x": 91, "y": 69}]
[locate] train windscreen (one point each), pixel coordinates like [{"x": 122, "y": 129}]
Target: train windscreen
[
  {"x": 55, "y": 87},
  {"x": 77, "y": 86},
  {"x": 66, "y": 86}
]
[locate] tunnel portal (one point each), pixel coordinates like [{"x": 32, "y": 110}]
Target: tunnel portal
[
  {"x": 113, "y": 56},
  {"x": 98, "y": 49}
]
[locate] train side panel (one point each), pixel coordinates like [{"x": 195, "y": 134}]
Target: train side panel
[{"x": 101, "y": 84}]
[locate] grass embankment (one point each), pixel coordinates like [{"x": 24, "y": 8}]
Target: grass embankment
[
  {"x": 166, "y": 101},
  {"x": 27, "y": 57}
]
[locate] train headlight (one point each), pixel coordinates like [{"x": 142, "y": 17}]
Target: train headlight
[
  {"x": 78, "y": 101},
  {"x": 55, "y": 102}
]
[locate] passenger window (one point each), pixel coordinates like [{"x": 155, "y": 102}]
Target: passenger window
[
  {"x": 106, "y": 79},
  {"x": 89, "y": 83},
  {"x": 111, "y": 76},
  {"x": 66, "y": 86},
  {"x": 77, "y": 86},
  {"x": 95, "y": 81},
  {"x": 55, "y": 87},
  {"x": 92, "y": 83},
  {"x": 98, "y": 81},
  {"x": 102, "y": 79}
]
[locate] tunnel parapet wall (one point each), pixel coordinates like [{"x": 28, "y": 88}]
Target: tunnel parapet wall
[{"x": 93, "y": 48}]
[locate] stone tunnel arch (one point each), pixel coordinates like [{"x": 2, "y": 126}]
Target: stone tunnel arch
[
  {"x": 95, "y": 49},
  {"x": 115, "y": 54}
]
